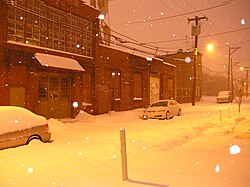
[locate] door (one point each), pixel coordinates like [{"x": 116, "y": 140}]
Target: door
[
  {"x": 154, "y": 89},
  {"x": 173, "y": 108},
  {"x": 111, "y": 99},
  {"x": 17, "y": 96},
  {"x": 3, "y": 141},
  {"x": 54, "y": 96}
]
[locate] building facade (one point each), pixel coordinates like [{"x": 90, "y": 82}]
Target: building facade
[
  {"x": 51, "y": 63},
  {"x": 184, "y": 62},
  {"x": 130, "y": 81}
]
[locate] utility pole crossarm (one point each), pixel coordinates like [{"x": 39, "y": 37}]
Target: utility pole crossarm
[
  {"x": 234, "y": 49},
  {"x": 197, "y": 18}
]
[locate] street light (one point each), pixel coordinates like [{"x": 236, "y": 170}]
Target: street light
[{"x": 210, "y": 47}]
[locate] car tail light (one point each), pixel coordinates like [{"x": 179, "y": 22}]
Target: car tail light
[{"x": 47, "y": 128}]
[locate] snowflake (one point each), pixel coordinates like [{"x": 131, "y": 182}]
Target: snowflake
[
  {"x": 30, "y": 170},
  {"x": 235, "y": 149},
  {"x": 217, "y": 168}
]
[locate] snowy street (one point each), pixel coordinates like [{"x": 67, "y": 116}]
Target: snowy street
[{"x": 208, "y": 145}]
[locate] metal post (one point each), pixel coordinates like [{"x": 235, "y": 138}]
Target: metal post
[
  {"x": 247, "y": 83},
  {"x": 123, "y": 154},
  {"x": 230, "y": 65},
  {"x": 229, "y": 69},
  {"x": 232, "y": 78},
  {"x": 195, "y": 74}
]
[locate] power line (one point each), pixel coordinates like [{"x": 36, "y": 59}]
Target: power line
[
  {"x": 174, "y": 16},
  {"x": 211, "y": 70},
  {"x": 183, "y": 39},
  {"x": 227, "y": 32}
]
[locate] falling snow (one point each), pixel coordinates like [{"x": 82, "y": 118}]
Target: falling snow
[
  {"x": 217, "y": 168},
  {"x": 30, "y": 170},
  {"x": 235, "y": 149}
]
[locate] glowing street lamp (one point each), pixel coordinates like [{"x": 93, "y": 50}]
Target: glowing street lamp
[{"x": 210, "y": 47}]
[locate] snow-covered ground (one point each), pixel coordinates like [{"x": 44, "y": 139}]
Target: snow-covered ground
[{"x": 209, "y": 145}]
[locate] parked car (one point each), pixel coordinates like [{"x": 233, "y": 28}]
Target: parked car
[
  {"x": 18, "y": 126},
  {"x": 224, "y": 97},
  {"x": 163, "y": 109}
]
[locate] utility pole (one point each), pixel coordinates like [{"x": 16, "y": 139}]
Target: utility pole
[
  {"x": 233, "y": 64},
  {"x": 247, "y": 83},
  {"x": 230, "y": 65},
  {"x": 196, "y": 30},
  {"x": 246, "y": 79}
]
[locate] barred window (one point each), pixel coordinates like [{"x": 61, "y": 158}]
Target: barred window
[
  {"x": 64, "y": 88},
  {"x": 42, "y": 83}
]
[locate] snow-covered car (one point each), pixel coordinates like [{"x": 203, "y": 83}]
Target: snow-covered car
[
  {"x": 163, "y": 109},
  {"x": 224, "y": 97},
  {"x": 18, "y": 126}
]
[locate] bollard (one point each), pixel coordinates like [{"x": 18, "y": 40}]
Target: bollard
[{"x": 123, "y": 154}]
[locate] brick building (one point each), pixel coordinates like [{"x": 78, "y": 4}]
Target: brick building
[
  {"x": 130, "y": 81},
  {"x": 50, "y": 58}
]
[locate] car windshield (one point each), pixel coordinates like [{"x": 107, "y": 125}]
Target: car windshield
[
  {"x": 159, "y": 104},
  {"x": 224, "y": 93}
]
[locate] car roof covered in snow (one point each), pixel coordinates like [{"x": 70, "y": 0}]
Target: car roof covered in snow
[{"x": 14, "y": 118}]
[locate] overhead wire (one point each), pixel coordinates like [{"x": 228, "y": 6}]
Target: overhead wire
[
  {"x": 211, "y": 70},
  {"x": 202, "y": 36},
  {"x": 178, "y": 15}
]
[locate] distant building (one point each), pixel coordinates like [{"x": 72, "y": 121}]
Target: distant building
[
  {"x": 130, "y": 81},
  {"x": 51, "y": 62},
  {"x": 184, "y": 62}
]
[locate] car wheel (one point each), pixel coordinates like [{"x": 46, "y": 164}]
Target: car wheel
[
  {"x": 167, "y": 115},
  {"x": 32, "y": 138},
  {"x": 179, "y": 112}
]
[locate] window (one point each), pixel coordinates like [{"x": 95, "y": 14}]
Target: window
[
  {"x": 54, "y": 86},
  {"x": 49, "y": 27},
  {"x": 64, "y": 88},
  {"x": 20, "y": 3},
  {"x": 170, "y": 88},
  {"x": 115, "y": 83}
]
